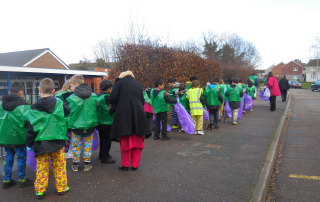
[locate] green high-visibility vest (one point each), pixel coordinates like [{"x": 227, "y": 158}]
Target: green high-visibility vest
[
  {"x": 83, "y": 112},
  {"x": 158, "y": 103},
  {"x": 49, "y": 126},
  {"x": 146, "y": 97},
  {"x": 59, "y": 95},
  {"x": 12, "y": 130},
  {"x": 234, "y": 93},
  {"x": 184, "y": 101},
  {"x": 103, "y": 115},
  {"x": 253, "y": 78},
  {"x": 251, "y": 90},
  {"x": 212, "y": 95},
  {"x": 193, "y": 95}
]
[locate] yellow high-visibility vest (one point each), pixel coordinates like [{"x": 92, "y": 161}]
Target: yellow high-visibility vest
[{"x": 193, "y": 95}]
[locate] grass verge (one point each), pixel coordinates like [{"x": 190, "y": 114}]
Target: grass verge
[{"x": 306, "y": 85}]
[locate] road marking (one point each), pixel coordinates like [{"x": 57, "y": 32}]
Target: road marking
[{"x": 305, "y": 177}]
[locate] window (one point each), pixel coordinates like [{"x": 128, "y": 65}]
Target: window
[
  {"x": 295, "y": 69},
  {"x": 295, "y": 77},
  {"x": 312, "y": 69}
]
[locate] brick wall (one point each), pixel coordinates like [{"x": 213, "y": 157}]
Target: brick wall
[
  {"x": 47, "y": 61},
  {"x": 288, "y": 69},
  {"x": 277, "y": 69}
]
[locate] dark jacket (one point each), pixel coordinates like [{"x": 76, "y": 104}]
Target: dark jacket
[
  {"x": 234, "y": 105},
  {"x": 46, "y": 104},
  {"x": 284, "y": 84},
  {"x": 220, "y": 98},
  {"x": 129, "y": 116},
  {"x": 166, "y": 96},
  {"x": 83, "y": 91},
  {"x": 112, "y": 109}
]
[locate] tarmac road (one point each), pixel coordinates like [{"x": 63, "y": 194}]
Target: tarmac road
[
  {"x": 300, "y": 159},
  {"x": 181, "y": 169}
]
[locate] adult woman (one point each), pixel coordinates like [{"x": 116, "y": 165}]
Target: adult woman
[
  {"x": 130, "y": 124},
  {"x": 273, "y": 86}
]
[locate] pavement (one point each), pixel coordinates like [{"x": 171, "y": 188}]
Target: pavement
[
  {"x": 299, "y": 175},
  {"x": 222, "y": 165}
]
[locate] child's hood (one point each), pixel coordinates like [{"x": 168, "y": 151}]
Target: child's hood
[
  {"x": 181, "y": 93},
  {"x": 83, "y": 91},
  {"x": 10, "y": 102},
  {"x": 176, "y": 85},
  {"x": 46, "y": 104}
]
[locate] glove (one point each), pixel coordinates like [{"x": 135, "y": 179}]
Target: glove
[{"x": 30, "y": 149}]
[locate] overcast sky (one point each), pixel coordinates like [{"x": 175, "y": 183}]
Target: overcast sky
[{"x": 282, "y": 30}]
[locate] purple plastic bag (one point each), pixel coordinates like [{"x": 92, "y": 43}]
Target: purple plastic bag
[
  {"x": 185, "y": 119},
  {"x": 32, "y": 161},
  {"x": 205, "y": 115},
  {"x": 169, "y": 128},
  {"x": 240, "y": 109},
  {"x": 248, "y": 102},
  {"x": 262, "y": 97}
]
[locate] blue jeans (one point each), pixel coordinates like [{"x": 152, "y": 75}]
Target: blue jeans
[
  {"x": 175, "y": 120},
  {"x": 9, "y": 159}
]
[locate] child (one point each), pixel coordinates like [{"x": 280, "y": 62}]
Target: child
[
  {"x": 251, "y": 89},
  {"x": 213, "y": 97},
  {"x": 174, "y": 90},
  {"x": 47, "y": 134},
  {"x": 234, "y": 94},
  {"x": 82, "y": 120},
  {"x": 105, "y": 118},
  {"x": 160, "y": 102},
  {"x": 148, "y": 107},
  {"x": 192, "y": 78},
  {"x": 13, "y": 135},
  {"x": 63, "y": 94},
  {"x": 183, "y": 99},
  {"x": 224, "y": 90},
  {"x": 196, "y": 103},
  {"x": 243, "y": 86}
]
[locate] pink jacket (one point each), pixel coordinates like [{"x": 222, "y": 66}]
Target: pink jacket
[{"x": 273, "y": 86}]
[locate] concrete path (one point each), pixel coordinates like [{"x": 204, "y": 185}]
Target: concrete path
[
  {"x": 222, "y": 165},
  {"x": 299, "y": 177}
]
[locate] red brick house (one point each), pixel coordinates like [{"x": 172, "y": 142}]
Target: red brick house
[
  {"x": 31, "y": 66},
  {"x": 293, "y": 70}
]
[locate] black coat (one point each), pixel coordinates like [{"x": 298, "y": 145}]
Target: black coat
[
  {"x": 46, "y": 104},
  {"x": 284, "y": 84},
  {"x": 129, "y": 117}
]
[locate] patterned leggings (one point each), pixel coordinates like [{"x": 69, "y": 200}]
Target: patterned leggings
[
  {"x": 59, "y": 169},
  {"x": 76, "y": 140},
  {"x": 235, "y": 114},
  {"x": 221, "y": 109},
  {"x": 198, "y": 121}
]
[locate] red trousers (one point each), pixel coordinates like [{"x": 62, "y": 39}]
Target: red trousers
[{"x": 131, "y": 148}]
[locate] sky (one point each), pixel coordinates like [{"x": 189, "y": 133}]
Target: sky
[{"x": 282, "y": 30}]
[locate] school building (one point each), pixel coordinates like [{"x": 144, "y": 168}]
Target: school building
[{"x": 31, "y": 66}]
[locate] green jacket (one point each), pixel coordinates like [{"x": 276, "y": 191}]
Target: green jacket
[
  {"x": 49, "y": 126},
  {"x": 158, "y": 103},
  {"x": 253, "y": 78},
  {"x": 59, "y": 95},
  {"x": 103, "y": 115},
  {"x": 189, "y": 86},
  {"x": 212, "y": 95},
  {"x": 184, "y": 102},
  {"x": 251, "y": 90},
  {"x": 12, "y": 126},
  {"x": 234, "y": 94},
  {"x": 83, "y": 114}
]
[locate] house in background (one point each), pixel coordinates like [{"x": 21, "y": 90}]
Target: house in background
[
  {"x": 294, "y": 70},
  {"x": 275, "y": 69},
  {"x": 31, "y": 66},
  {"x": 312, "y": 70}
]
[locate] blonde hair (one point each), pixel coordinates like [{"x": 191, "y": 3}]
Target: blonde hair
[
  {"x": 126, "y": 73},
  {"x": 221, "y": 81},
  {"x": 65, "y": 87},
  {"x": 76, "y": 79}
]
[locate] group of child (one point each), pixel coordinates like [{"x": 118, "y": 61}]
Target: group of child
[
  {"x": 51, "y": 124},
  {"x": 43, "y": 127},
  {"x": 194, "y": 99}
]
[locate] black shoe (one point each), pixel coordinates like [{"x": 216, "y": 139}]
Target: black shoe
[
  {"x": 216, "y": 127},
  {"x": 165, "y": 138},
  {"x": 108, "y": 161},
  {"x": 27, "y": 183},
  {"x": 134, "y": 168},
  {"x": 6, "y": 185},
  {"x": 123, "y": 168},
  {"x": 219, "y": 120},
  {"x": 209, "y": 126},
  {"x": 156, "y": 138}
]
